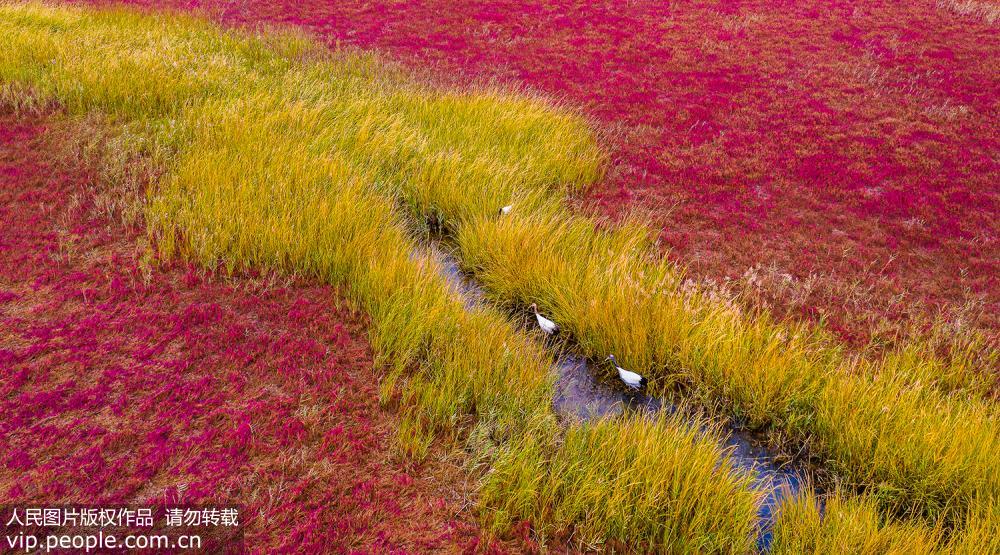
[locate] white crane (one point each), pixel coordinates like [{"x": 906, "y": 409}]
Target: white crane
[
  {"x": 631, "y": 379},
  {"x": 548, "y": 326}
]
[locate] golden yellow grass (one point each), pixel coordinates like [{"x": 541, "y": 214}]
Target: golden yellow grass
[
  {"x": 857, "y": 526},
  {"x": 271, "y": 152},
  {"x": 277, "y": 154}
]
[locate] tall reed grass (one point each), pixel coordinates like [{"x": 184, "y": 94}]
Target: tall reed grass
[
  {"x": 913, "y": 428},
  {"x": 279, "y": 155},
  {"x": 274, "y": 154},
  {"x": 921, "y": 438},
  {"x": 848, "y": 526},
  {"x": 858, "y": 525},
  {"x": 918, "y": 432},
  {"x": 914, "y": 431}
]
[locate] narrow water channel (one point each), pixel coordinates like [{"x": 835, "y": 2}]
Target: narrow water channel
[{"x": 586, "y": 391}]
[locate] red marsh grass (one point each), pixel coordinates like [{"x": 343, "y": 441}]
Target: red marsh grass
[
  {"x": 763, "y": 371},
  {"x": 829, "y": 160},
  {"x": 256, "y": 137},
  {"x": 123, "y": 383}
]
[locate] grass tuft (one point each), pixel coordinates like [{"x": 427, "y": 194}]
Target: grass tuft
[{"x": 846, "y": 525}]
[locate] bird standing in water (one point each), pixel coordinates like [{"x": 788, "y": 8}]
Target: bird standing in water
[
  {"x": 548, "y": 326},
  {"x": 631, "y": 379}
]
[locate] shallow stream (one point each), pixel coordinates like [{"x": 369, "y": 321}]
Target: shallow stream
[{"x": 586, "y": 390}]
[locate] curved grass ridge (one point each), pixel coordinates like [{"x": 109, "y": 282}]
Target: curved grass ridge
[
  {"x": 911, "y": 428},
  {"x": 901, "y": 425},
  {"x": 273, "y": 155},
  {"x": 882, "y": 425}
]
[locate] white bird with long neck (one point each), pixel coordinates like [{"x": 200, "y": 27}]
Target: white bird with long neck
[
  {"x": 631, "y": 379},
  {"x": 548, "y": 326}
]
